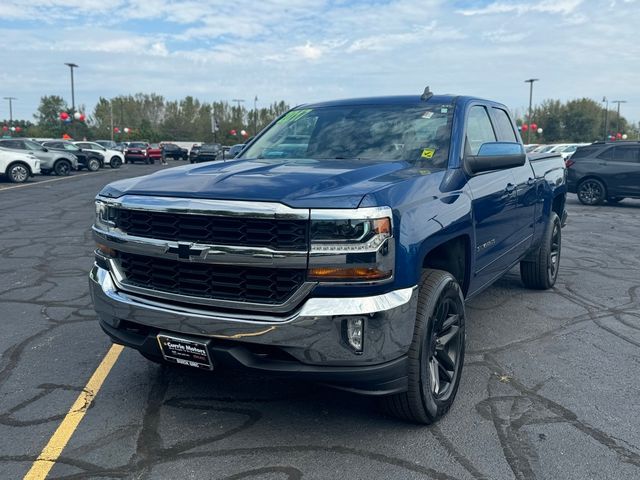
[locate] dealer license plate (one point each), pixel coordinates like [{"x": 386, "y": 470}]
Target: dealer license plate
[{"x": 185, "y": 352}]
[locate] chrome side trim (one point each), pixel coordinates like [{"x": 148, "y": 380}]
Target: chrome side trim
[
  {"x": 206, "y": 253},
  {"x": 121, "y": 282},
  {"x": 194, "y": 206}
]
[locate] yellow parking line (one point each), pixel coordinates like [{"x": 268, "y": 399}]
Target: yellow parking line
[{"x": 47, "y": 459}]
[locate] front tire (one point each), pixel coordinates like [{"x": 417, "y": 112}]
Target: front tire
[
  {"x": 115, "y": 162},
  {"x": 541, "y": 273},
  {"x": 93, "y": 165},
  {"x": 591, "y": 192},
  {"x": 436, "y": 354},
  {"x": 18, "y": 173},
  {"x": 62, "y": 168}
]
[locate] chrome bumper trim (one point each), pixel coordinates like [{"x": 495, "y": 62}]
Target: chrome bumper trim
[{"x": 313, "y": 334}]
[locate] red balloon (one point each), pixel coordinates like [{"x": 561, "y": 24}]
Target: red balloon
[
  {"x": 18, "y": 129},
  {"x": 618, "y": 135},
  {"x": 64, "y": 115},
  {"x": 525, "y": 127},
  {"x": 5, "y": 128},
  {"x": 81, "y": 118},
  {"x": 534, "y": 126},
  {"x": 233, "y": 132},
  {"x": 116, "y": 129}
]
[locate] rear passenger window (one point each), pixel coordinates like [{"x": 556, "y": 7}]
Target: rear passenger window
[
  {"x": 626, "y": 153},
  {"x": 503, "y": 126},
  {"x": 607, "y": 154},
  {"x": 479, "y": 129},
  {"x": 582, "y": 152}
]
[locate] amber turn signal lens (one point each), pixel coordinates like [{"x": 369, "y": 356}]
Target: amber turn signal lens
[
  {"x": 382, "y": 225},
  {"x": 328, "y": 273},
  {"x": 106, "y": 250}
]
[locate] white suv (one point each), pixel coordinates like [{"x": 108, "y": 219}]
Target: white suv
[
  {"x": 114, "y": 158},
  {"x": 18, "y": 166}
]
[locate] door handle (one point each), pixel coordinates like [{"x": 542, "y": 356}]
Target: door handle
[
  {"x": 510, "y": 188},
  {"x": 531, "y": 181}
]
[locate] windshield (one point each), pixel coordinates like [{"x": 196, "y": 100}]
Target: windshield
[
  {"x": 414, "y": 133},
  {"x": 137, "y": 145}
]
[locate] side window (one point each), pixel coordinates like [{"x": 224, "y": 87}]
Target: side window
[
  {"x": 626, "y": 153},
  {"x": 15, "y": 144},
  {"x": 504, "y": 126},
  {"x": 607, "y": 154},
  {"x": 479, "y": 129}
]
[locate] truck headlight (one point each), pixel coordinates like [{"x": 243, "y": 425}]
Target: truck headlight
[
  {"x": 351, "y": 245},
  {"x": 104, "y": 216}
]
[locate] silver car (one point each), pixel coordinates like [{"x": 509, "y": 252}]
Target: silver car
[{"x": 51, "y": 161}]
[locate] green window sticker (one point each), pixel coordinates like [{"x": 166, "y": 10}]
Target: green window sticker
[{"x": 294, "y": 115}]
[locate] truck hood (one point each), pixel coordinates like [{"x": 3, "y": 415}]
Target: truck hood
[{"x": 294, "y": 182}]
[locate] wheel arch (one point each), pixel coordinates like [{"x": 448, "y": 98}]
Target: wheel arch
[
  {"x": 452, "y": 255},
  {"x": 19, "y": 162}
]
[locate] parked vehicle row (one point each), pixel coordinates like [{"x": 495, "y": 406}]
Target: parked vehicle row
[{"x": 563, "y": 149}]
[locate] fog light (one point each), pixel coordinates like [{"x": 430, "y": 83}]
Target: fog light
[{"x": 355, "y": 333}]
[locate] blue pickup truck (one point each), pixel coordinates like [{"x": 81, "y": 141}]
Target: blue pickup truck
[{"x": 340, "y": 246}]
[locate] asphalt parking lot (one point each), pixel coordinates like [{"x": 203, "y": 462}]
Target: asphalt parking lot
[{"x": 550, "y": 389}]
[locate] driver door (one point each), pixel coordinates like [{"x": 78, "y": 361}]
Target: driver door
[{"x": 494, "y": 202}]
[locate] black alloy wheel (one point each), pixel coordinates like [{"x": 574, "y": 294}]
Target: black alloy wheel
[
  {"x": 62, "y": 168},
  {"x": 436, "y": 355},
  {"x": 554, "y": 253},
  {"x": 591, "y": 192},
  {"x": 445, "y": 345}
]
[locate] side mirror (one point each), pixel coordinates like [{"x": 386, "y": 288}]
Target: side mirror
[
  {"x": 496, "y": 156},
  {"x": 45, "y": 149}
]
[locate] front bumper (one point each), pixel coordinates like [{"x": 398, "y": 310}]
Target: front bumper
[{"x": 308, "y": 342}]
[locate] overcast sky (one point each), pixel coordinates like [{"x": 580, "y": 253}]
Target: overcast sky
[{"x": 304, "y": 50}]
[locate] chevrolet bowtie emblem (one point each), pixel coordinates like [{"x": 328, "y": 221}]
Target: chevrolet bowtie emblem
[{"x": 185, "y": 250}]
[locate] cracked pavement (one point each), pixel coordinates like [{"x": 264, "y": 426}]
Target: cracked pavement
[{"x": 550, "y": 387}]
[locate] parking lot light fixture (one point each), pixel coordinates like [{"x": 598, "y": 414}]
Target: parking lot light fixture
[
  {"x": 73, "y": 95},
  {"x": 530, "y": 82}
]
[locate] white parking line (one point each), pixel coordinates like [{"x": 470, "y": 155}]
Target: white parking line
[{"x": 77, "y": 175}]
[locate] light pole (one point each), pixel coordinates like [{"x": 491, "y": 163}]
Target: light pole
[
  {"x": 255, "y": 115},
  {"x": 530, "y": 82},
  {"x": 606, "y": 117},
  {"x": 73, "y": 95},
  {"x": 618, "y": 120},
  {"x": 11, "y": 99}
]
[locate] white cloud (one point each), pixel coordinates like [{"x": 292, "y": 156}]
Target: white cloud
[{"x": 563, "y": 7}]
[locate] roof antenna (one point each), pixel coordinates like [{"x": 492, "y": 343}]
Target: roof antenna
[{"x": 427, "y": 94}]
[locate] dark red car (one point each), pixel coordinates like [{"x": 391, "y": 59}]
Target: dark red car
[
  {"x": 154, "y": 152},
  {"x": 137, "y": 152}
]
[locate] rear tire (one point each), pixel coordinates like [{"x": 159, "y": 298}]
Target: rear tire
[
  {"x": 93, "y": 165},
  {"x": 436, "y": 354},
  {"x": 18, "y": 173},
  {"x": 62, "y": 168},
  {"x": 541, "y": 273},
  {"x": 591, "y": 192}
]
